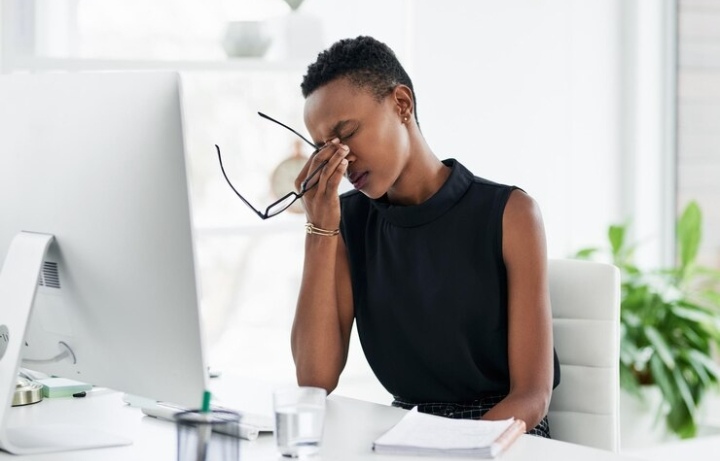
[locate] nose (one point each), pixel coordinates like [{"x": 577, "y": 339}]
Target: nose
[{"x": 350, "y": 157}]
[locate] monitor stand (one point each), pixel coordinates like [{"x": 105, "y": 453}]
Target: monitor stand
[{"x": 18, "y": 284}]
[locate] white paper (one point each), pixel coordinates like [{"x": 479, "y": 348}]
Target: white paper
[{"x": 419, "y": 432}]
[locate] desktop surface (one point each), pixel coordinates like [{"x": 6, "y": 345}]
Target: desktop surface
[{"x": 350, "y": 428}]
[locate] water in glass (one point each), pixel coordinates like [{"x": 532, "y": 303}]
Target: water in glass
[{"x": 298, "y": 429}]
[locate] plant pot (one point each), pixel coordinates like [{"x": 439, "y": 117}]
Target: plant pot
[{"x": 642, "y": 419}]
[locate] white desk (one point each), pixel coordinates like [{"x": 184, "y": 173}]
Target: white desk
[{"x": 351, "y": 426}]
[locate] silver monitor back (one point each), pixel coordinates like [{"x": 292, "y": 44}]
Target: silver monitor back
[{"x": 97, "y": 160}]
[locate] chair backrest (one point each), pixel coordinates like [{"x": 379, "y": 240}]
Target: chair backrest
[{"x": 585, "y": 299}]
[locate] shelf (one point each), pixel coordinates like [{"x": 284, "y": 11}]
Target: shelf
[
  {"x": 279, "y": 224},
  {"x": 42, "y": 64}
]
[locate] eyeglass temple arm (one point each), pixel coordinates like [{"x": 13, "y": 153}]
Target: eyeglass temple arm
[
  {"x": 222, "y": 168},
  {"x": 287, "y": 127}
]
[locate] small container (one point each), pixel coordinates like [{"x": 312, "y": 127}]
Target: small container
[
  {"x": 299, "y": 419},
  {"x": 211, "y": 436},
  {"x": 246, "y": 39}
]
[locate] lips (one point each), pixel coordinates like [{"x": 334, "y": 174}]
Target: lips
[{"x": 358, "y": 180}]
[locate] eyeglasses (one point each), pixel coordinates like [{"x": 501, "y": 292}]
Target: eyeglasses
[{"x": 288, "y": 199}]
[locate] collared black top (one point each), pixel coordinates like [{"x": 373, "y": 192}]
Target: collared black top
[{"x": 430, "y": 289}]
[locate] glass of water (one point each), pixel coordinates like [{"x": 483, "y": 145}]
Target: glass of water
[{"x": 299, "y": 417}]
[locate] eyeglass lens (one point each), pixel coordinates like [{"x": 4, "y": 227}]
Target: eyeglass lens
[{"x": 281, "y": 205}]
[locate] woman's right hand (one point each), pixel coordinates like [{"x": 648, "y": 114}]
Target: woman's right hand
[{"x": 322, "y": 203}]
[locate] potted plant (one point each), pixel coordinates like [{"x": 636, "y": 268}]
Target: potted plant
[{"x": 670, "y": 323}]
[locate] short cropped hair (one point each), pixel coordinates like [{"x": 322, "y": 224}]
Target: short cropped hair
[{"x": 365, "y": 62}]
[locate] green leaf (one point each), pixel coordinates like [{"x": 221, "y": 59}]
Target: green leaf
[
  {"x": 616, "y": 235},
  {"x": 708, "y": 272},
  {"x": 710, "y": 365},
  {"x": 629, "y": 381},
  {"x": 695, "y": 340},
  {"x": 682, "y": 386},
  {"x": 700, "y": 371},
  {"x": 689, "y": 233},
  {"x": 586, "y": 253},
  {"x": 711, "y": 296},
  {"x": 681, "y": 422},
  {"x": 695, "y": 314},
  {"x": 705, "y": 323},
  {"x": 630, "y": 319},
  {"x": 661, "y": 347},
  {"x": 628, "y": 350},
  {"x": 662, "y": 379}
]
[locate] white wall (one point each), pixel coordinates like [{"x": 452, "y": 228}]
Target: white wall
[
  {"x": 544, "y": 95},
  {"x": 382, "y": 19},
  {"x": 528, "y": 93}
]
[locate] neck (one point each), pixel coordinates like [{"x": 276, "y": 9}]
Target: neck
[{"x": 424, "y": 174}]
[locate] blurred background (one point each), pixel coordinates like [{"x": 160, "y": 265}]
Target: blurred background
[{"x": 605, "y": 111}]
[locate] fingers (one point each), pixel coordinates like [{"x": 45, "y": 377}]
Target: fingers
[
  {"x": 334, "y": 180},
  {"x": 333, "y": 172},
  {"x": 332, "y": 155},
  {"x": 302, "y": 175},
  {"x": 310, "y": 166}
]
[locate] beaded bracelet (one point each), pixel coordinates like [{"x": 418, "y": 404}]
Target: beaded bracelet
[{"x": 310, "y": 229}]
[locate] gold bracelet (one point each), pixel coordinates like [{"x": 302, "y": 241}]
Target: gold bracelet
[{"x": 310, "y": 229}]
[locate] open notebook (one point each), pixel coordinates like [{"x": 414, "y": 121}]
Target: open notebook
[{"x": 423, "y": 434}]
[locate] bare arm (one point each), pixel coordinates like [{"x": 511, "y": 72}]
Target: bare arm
[
  {"x": 530, "y": 340},
  {"x": 324, "y": 314}
]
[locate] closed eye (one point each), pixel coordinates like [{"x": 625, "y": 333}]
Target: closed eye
[{"x": 349, "y": 135}]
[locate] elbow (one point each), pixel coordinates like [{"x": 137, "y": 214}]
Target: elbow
[
  {"x": 540, "y": 397},
  {"x": 536, "y": 401},
  {"x": 317, "y": 366},
  {"x": 323, "y": 380},
  {"x": 544, "y": 399},
  {"x": 313, "y": 371}
]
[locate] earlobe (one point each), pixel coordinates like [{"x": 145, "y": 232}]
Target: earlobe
[{"x": 404, "y": 102}]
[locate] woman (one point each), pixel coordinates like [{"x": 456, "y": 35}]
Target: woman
[{"x": 444, "y": 272}]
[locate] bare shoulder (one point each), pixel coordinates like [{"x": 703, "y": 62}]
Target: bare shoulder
[
  {"x": 523, "y": 228},
  {"x": 521, "y": 209}
]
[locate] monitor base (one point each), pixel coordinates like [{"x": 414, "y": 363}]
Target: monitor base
[
  {"x": 58, "y": 437},
  {"x": 18, "y": 285}
]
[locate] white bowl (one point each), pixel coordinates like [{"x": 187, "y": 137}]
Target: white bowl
[{"x": 246, "y": 39}]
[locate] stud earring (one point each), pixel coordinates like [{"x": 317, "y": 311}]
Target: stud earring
[{"x": 405, "y": 119}]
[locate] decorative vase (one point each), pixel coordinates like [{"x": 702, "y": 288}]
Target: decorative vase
[{"x": 245, "y": 39}]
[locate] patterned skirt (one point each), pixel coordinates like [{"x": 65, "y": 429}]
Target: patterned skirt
[{"x": 467, "y": 410}]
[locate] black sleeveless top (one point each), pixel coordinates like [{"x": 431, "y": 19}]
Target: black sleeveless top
[{"x": 430, "y": 289}]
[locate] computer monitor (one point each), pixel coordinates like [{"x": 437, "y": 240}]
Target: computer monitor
[{"x": 92, "y": 166}]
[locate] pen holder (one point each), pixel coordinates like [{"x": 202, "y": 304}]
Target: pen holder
[{"x": 212, "y": 436}]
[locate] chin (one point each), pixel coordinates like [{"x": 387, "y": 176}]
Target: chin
[{"x": 372, "y": 194}]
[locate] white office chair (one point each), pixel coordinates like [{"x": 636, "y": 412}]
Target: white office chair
[{"x": 585, "y": 300}]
